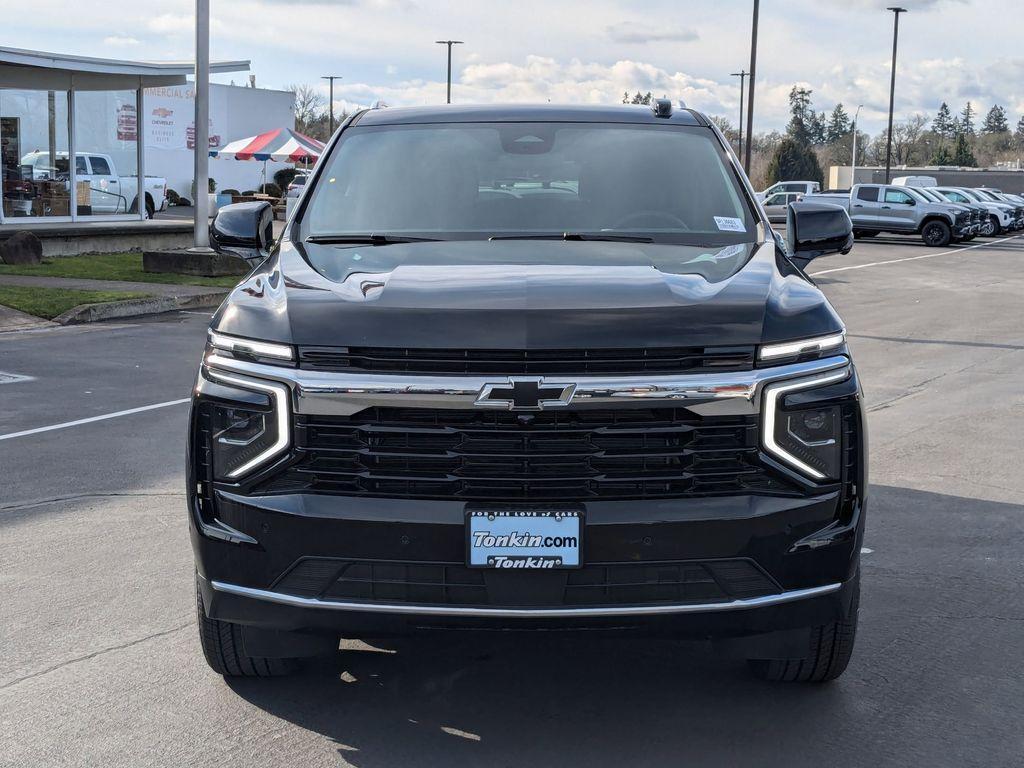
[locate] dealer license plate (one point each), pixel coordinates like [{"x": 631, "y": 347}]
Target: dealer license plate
[{"x": 524, "y": 539}]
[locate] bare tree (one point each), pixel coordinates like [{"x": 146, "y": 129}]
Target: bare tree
[{"x": 309, "y": 108}]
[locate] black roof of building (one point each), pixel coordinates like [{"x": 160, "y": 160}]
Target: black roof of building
[{"x": 496, "y": 113}]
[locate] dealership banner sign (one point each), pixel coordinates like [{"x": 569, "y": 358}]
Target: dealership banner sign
[{"x": 169, "y": 118}]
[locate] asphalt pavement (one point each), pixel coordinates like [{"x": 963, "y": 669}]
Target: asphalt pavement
[{"x": 100, "y": 662}]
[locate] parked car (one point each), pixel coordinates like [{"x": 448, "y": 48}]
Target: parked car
[
  {"x": 528, "y": 368},
  {"x": 1000, "y": 215},
  {"x": 800, "y": 187},
  {"x": 978, "y": 212},
  {"x": 876, "y": 208},
  {"x": 777, "y": 205},
  {"x": 108, "y": 192},
  {"x": 997, "y": 197},
  {"x": 297, "y": 184}
]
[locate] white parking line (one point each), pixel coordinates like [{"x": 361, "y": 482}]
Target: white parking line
[
  {"x": 912, "y": 258},
  {"x": 91, "y": 419}
]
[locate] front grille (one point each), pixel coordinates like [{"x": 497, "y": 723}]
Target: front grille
[
  {"x": 559, "y": 455},
  {"x": 677, "y": 582},
  {"x": 526, "y": 362}
]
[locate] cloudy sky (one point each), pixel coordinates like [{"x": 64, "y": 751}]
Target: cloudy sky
[{"x": 579, "y": 51}]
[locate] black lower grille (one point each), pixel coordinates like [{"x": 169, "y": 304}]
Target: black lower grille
[
  {"x": 593, "y": 585},
  {"x": 565, "y": 455},
  {"x": 532, "y": 361}
]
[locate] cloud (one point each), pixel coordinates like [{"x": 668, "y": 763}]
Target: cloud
[
  {"x": 118, "y": 41},
  {"x": 539, "y": 79},
  {"x": 631, "y": 32}
]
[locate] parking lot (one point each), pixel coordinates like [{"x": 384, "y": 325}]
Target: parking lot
[{"x": 101, "y": 664}]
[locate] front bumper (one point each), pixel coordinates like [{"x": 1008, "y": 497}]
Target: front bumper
[{"x": 274, "y": 560}]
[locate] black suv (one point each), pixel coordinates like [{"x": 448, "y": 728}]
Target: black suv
[{"x": 528, "y": 368}]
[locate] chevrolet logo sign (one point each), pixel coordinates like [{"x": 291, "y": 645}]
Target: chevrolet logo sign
[{"x": 525, "y": 394}]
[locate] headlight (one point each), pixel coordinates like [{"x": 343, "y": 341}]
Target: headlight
[
  {"x": 250, "y": 349},
  {"x": 244, "y": 436},
  {"x": 803, "y": 346},
  {"x": 808, "y": 439}
]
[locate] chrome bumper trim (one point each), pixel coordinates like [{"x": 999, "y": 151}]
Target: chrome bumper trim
[
  {"x": 523, "y": 613},
  {"x": 342, "y": 394}
]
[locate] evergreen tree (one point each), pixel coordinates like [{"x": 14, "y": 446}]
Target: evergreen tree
[
  {"x": 942, "y": 156},
  {"x": 962, "y": 154},
  {"x": 944, "y": 124},
  {"x": 638, "y": 98},
  {"x": 794, "y": 161},
  {"x": 995, "y": 121},
  {"x": 967, "y": 120},
  {"x": 1018, "y": 135},
  {"x": 801, "y": 127},
  {"x": 839, "y": 126}
]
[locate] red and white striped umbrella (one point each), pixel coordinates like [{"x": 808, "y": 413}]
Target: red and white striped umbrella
[{"x": 282, "y": 145}]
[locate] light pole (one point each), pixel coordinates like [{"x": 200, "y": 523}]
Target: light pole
[
  {"x": 330, "y": 120},
  {"x": 853, "y": 161},
  {"x": 201, "y": 230},
  {"x": 449, "y": 43},
  {"x": 742, "y": 75},
  {"x": 896, "y": 11},
  {"x": 750, "y": 94}
]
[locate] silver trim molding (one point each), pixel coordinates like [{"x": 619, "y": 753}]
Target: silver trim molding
[
  {"x": 341, "y": 394},
  {"x": 523, "y": 613}
]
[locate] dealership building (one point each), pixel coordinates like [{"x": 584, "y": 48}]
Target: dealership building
[{"x": 122, "y": 121}]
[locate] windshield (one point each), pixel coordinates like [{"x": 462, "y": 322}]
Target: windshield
[{"x": 668, "y": 184}]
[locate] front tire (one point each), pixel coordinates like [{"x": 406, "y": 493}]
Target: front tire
[
  {"x": 994, "y": 227},
  {"x": 222, "y": 647},
  {"x": 936, "y": 234},
  {"x": 828, "y": 656}
]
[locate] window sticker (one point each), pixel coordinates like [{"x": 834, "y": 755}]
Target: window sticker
[{"x": 729, "y": 224}]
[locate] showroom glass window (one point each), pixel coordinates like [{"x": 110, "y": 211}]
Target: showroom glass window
[
  {"x": 106, "y": 139},
  {"x": 34, "y": 154}
]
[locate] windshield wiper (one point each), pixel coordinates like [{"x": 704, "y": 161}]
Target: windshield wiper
[
  {"x": 608, "y": 236},
  {"x": 370, "y": 239}
]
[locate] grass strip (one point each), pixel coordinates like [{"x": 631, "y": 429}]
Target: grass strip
[{"x": 50, "y": 302}]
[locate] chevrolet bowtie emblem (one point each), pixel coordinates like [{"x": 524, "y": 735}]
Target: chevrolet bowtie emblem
[{"x": 525, "y": 394}]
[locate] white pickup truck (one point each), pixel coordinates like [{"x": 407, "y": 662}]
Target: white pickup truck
[
  {"x": 789, "y": 187},
  {"x": 108, "y": 192}
]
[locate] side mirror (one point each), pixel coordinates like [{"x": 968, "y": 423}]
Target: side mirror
[
  {"x": 817, "y": 229},
  {"x": 245, "y": 230}
]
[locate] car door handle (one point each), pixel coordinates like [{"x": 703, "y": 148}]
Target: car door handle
[
  {"x": 112, "y": 181},
  {"x": 858, "y": 205},
  {"x": 886, "y": 208}
]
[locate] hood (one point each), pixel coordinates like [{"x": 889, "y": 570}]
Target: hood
[{"x": 532, "y": 294}]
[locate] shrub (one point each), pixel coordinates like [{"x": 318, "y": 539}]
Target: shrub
[
  {"x": 229, "y": 191},
  {"x": 185, "y": 202},
  {"x": 270, "y": 188},
  {"x": 212, "y": 185},
  {"x": 173, "y": 198},
  {"x": 284, "y": 177},
  {"x": 249, "y": 193}
]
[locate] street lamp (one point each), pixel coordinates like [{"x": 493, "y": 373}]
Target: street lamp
[
  {"x": 750, "y": 95},
  {"x": 896, "y": 11},
  {"x": 853, "y": 161},
  {"x": 331, "y": 79},
  {"x": 449, "y": 43},
  {"x": 742, "y": 75}
]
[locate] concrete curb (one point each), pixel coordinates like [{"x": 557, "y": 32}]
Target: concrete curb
[{"x": 153, "y": 305}]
